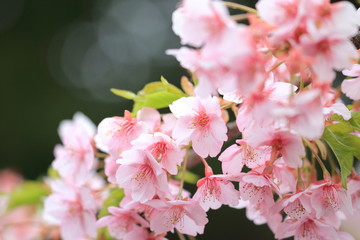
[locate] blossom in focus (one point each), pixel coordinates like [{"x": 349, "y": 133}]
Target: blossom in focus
[
  {"x": 142, "y": 174},
  {"x": 162, "y": 148},
  {"x": 215, "y": 190},
  {"x": 199, "y": 122},
  {"x": 186, "y": 216}
]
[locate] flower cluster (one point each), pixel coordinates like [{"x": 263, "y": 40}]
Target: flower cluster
[{"x": 291, "y": 164}]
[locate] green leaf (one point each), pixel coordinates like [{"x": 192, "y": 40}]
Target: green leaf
[
  {"x": 337, "y": 117},
  {"x": 190, "y": 177},
  {"x": 342, "y": 127},
  {"x": 344, "y": 146},
  {"x": 157, "y": 95},
  {"x": 103, "y": 234},
  {"x": 123, "y": 93},
  {"x": 350, "y": 107},
  {"x": 52, "y": 173},
  {"x": 29, "y": 192},
  {"x": 355, "y": 120},
  {"x": 158, "y": 99},
  {"x": 114, "y": 198}
]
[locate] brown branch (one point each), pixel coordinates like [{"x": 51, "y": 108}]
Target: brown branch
[{"x": 356, "y": 40}]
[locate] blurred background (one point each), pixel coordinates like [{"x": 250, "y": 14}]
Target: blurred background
[{"x": 62, "y": 56}]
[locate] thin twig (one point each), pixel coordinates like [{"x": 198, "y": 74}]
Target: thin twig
[{"x": 240, "y": 7}]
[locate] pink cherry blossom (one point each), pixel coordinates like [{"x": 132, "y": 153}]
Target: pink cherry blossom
[
  {"x": 296, "y": 206},
  {"x": 287, "y": 143},
  {"x": 186, "y": 216},
  {"x": 215, "y": 190},
  {"x": 309, "y": 228},
  {"x": 198, "y": 21},
  {"x": 286, "y": 16},
  {"x": 199, "y": 122},
  {"x": 257, "y": 188},
  {"x": 351, "y": 87},
  {"x": 110, "y": 168},
  {"x": 338, "y": 18},
  {"x": 115, "y": 134},
  {"x": 214, "y": 63},
  {"x": 354, "y": 191},
  {"x": 142, "y": 174},
  {"x": 284, "y": 177},
  {"x": 168, "y": 124},
  {"x": 351, "y": 224},
  {"x": 337, "y": 108},
  {"x": 162, "y": 148},
  {"x": 20, "y": 223},
  {"x": 9, "y": 180},
  {"x": 73, "y": 209},
  {"x": 123, "y": 224},
  {"x": 305, "y": 114},
  {"x": 259, "y": 213},
  {"x": 329, "y": 52},
  {"x": 235, "y": 157},
  {"x": 263, "y": 108},
  {"x": 75, "y": 158},
  {"x": 328, "y": 198}
]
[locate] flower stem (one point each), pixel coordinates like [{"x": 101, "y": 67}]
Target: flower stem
[
  {"x": 101, "y": 155},
  {"x": 300, "y": 183},
  {"x": 208, "y": 169},
  {"x": 274, "y": 156},
  {"x": 180, "y": 235},
  {"x": 183, "y": 172},
  {"x": 275, "y": 66},
  {"x": 240, "y": 7},
  {"x": 239, "y": 17},
  {"x": 326, "y": 173}
]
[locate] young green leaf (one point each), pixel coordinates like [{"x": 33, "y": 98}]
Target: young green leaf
[
  {"x": 344, "y": 146},
  {"x": 29, "y": 192},
  {"x": 189, "y": 177},
  {"x": 124, "y": 93},
  {"x": 355, "y": 120},
  {"x": 114, "y": 198},
  {"x": 155, "y": 94}
]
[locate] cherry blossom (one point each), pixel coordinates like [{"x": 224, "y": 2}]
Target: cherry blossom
[
  {"x": 235, "y": 157},
  {"x": 115, "y": 134},
  {"x": 123, "y": 224},
  {"x": 196, "y": 22},
  {"x": 215, "y": 190},
  {"x": 73, "y": 209},
  {"x": 199, "y": 122},
  {"x": 264, "y": 89},
  {"x": 351, "y": 87},
  {"x": 75, "y": 159},
  {"x": 162, "y": 148},
  {"x": 328, "y": 198},
  {"x": 186, "y": 216},
  {"x": 142, "y": 174}
]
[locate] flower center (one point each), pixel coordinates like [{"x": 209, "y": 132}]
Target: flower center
[
  {"x": 158, "y": 150},
  {"x": 127, "y": 125},
  {"x": 201, "y": 120},
  {"x": 143, "y": 174}
]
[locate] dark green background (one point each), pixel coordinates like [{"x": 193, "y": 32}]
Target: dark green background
[{"x": 33, "y": 103}]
